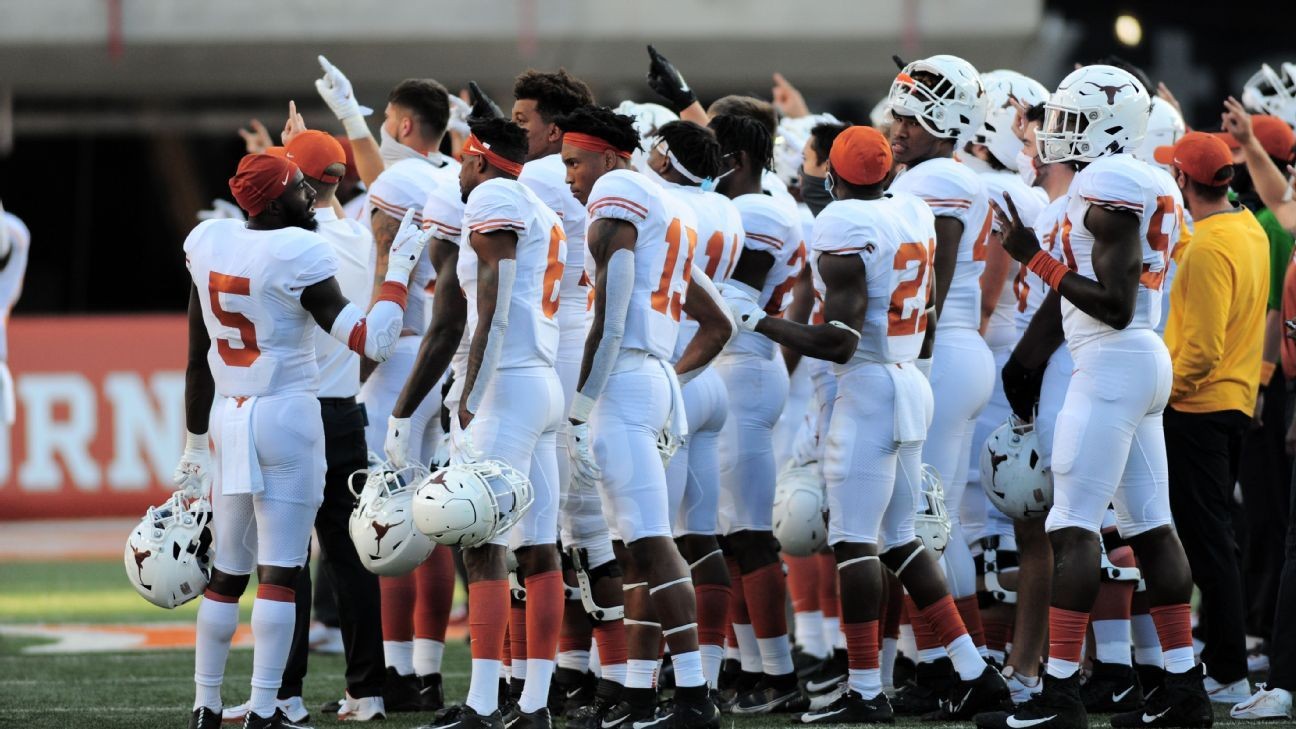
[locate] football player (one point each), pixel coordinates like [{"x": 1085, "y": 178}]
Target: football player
[
  {"x": 766, "y": 272},
  {"x": 1108, "y": 445},
  {"x": 873, "y": 280},
  {"x": 15, "y": 241},
  {"x": 935, "y": 102},
  {"x": 640, "y": 248},
  {"x": 257, "y": 288}
]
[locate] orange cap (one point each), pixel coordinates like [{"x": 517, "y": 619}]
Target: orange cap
[
  {"x": 861, "y": 156},
  {"x": 313, "y": 151},
  {"x": 1273, "y": 134},
  {"x": 1203, "y": 157},
  {"x": 261, "y": 178}
]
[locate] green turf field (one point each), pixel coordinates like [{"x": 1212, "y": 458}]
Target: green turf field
[{"x": 148, "y": 690}]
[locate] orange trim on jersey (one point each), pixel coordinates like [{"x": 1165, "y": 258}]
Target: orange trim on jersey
[
  {"x": 947, "y": 202},
  {"x": 613, "y": 198},
  {"x": 394, "y": 210},
  {"x": 442, "y": 227},
  {"x": 592, "y": 143},
  {"x": 1133, "y": 206},
  {"x": 766, "y": 239},
  {"x": 602, "y": 205},
  {"x": 395, "y": 292},
  {"x": 359, "y": 333}
]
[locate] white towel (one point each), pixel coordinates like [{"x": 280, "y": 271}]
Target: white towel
[
  {"x": 913, "y": 402},
  {"x": 8, "y": 405},
  {"x": 677, "y": 419},
  {"x": 240, "y": 470}
]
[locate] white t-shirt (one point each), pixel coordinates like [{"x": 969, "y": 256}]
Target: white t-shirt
[
  {"x": 352, "y": 246},
  {"x": 11, "y": 276}
]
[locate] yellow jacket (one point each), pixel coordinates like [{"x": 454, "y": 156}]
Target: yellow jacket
[{"x": 1217, "y": 315}]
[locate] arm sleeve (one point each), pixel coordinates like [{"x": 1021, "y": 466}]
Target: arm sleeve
[
  {"x": 393, "y": 193},
  {"x": 493, "y": 206},
  {"x": 620, "y": 284},
  {"x": 1206, "y": 279},
  {"x": 618, "y": 198},
  {"x": 443, "y": 215}
]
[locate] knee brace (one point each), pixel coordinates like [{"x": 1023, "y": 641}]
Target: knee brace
[
  {"x": 586, "y": 577},
  {"x": 993, "y": 560},
  {"x": 1112, "y": 573}
]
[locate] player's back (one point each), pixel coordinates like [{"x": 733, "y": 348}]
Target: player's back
[
  {"x": 719, "y": 242},
  {"x": 952, "y": 189},
  {"x": 547, "y": 178},
  {"x": 508, "y": 205},
  {"x": 249, "y": 285},
  {"x": 1119, "y": 183},
  {"x": 663, "y": 253},
  {"x": 895, "y": 237},
  {"x": 772, "y": 226}
]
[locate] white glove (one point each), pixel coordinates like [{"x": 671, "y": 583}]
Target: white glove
[
  {"x": 221, "y": 210},
  {"x": 335, "y": 89},
  {"x": 459, "y": 110},
  {"x": 397, "y": 444},
  {"x": 580, "y": 445},
  {"x": 462, "y": 447},
  {"x": 193, "y": 473},
  {"x": 6, "y": 245},
  {"x": 746, "y": 312},
  {"x": 668, "y": 443},
  {"x": 406, "y": 248}
]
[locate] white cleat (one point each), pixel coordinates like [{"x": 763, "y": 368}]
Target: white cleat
[
  {"x": 294, "y": 710},
  {"x": 325, "y": 640},
  {"x": 368, "y": 708},
  {"x": 1219, "y": 693},
  {"x": 1019, "y": 690},
  {"x": 1265, "y": 704}
]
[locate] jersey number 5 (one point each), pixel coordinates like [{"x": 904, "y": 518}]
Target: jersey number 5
[
  {"x": 906, "y": 297},
  {"x": 247, "y": 352}
]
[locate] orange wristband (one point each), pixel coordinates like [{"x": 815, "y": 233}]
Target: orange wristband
[
  {"x": 395, "y": 292},
  {"x": 1048, "y": 268}
]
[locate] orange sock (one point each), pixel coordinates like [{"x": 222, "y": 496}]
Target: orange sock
[
  {"x": 924, "y": 635},
  {"x": 397, "y": 607},
  {"x": 517, "y": 630},
  {"x": 611, "y": 638},
  {"x": 488, "y": 617},
  {"x": 766, "y": 592},
  {"x": 802, "y": 583},
  {"x": 970, "y": 611},
  {"x": 943, "y": 620},
  {"x": 544, "y": 611},
  {"x": 1067, "y": 634},
  {"x": 712, "y": 611},
  {"x": 434, "y": 582},
  {"x": 861, "y": 645}
]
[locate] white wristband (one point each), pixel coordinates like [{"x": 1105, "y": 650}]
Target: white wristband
[
  {"x": 195, "y": 442},
  {"x": 581, "y": 407},
  {"x": 356, "y": 128}
]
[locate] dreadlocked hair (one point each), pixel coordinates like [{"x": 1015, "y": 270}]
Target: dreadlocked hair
[
  {"x": 600, "y": 121},
  {"x": 555, "y": 93},
  {"x": 744, "y": 134},
  {"x": 505, "y": 138},
  {"x": 694, "y": 146}
]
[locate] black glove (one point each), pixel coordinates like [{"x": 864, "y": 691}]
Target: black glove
[
  {"x": 482, "y": 105},
  {"x": 1022, "y": 387},
  {"x": 668, "y": 83}
]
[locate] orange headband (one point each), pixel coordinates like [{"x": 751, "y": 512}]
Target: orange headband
[
  {"x": 591, "y": 143},
  {"x": 473, "y": 145}
]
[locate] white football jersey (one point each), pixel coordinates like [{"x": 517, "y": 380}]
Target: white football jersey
[
  {"x": 663, "y": 254},
  {"x": 407, "y": 184},
  {"x": 719, "y": 243},
  {"x": 774, "y": 227},
  {"x": 250, "y": 284},
  {"x": 1124, "y": 184},
  {"x": 1028, "y": 287},
  {"x": 531, "y": 339},
  {"x": 1001, "y": 330},
  {"x": 1181, "y": 237},
  {"x": 547, "y": 178},
  {"x": 895, "y": 236},
  {"x": 951, "y": 189},
  {"x": 352, "y": 245},
  {"x": 11, "y": 277},
  {"x": 443, "y": 216}
]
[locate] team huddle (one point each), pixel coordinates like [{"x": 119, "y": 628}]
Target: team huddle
[{"x": 656, "y": 372}]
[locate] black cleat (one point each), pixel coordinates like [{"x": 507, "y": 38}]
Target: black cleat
[
  {"x": 828, "y": 676},
  {"x": 691, "y": 708},
  {"x": 744, "y": 684},
  {"x": 903, "y": 671},
  {"x": 205, "y": 718},
  {"x": 277, "y": 721},
  {"x": 1111, "y": 688},
  {"x": 570, "y": 690},
  {"x": 636, "y": 705},
  {"x": 852, "y": 708},
  {"x": 607, "y": 695},
  {"x": 771, "y": 695},
  {"x": 401, "y": 693},
  {"x": 538, "y": 719},
  {"x": 1057, "y": 706},
  {"x": 1152, "y": 678},
  {"x": 931, "y": 683},
  {"x": 464, "y": 717},
  {"x": 1181, "y": 703},
  {"x": 805, "y": 664},
  {"x": 730, "y": 668},
  {"x": 987, "y": 692},
  {"x": 431, "y": 693}
]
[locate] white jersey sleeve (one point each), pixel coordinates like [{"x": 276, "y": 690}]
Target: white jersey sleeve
[
  {"x": 443, "y": 215},
  {"x": 774, "y": 227}
]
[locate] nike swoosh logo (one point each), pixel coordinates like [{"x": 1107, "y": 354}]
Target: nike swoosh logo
[
  {"x": 287, "y": 176},
  {"x": 956, "y": 708},
  {"x": 609, "y": 724},
  {"x": 1016, "y": 723},
  {"x": 807, "y": 718},
  {"x": 572, "y": 694},
  {"x": 1149, "y": 719},
  {"x": 659, "y": 719},
  {"x": 512, "y": 721},
  {"x": 448, "y": 726},
  {"x": 1118, "y": 696},
  {"x": 817, "y": 686}
]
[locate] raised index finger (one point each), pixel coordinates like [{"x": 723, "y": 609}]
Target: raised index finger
[{"x": 1012, "y": 209}]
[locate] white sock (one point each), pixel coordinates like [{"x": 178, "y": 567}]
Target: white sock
[
  {"x": 399, "y": 654},
  {"x": 967, "y": 660},
  {"x": 731, "y": 652},
  {"x": 928, "y": 655},
  {"x": 639, "y": 673},
  {"x": 832, "y": 633},
  {"x": 574, "y": 660},
  {"x": 887, "y": 661},
  {"x": 1058, "y": 668},
  {"x": 427, "y": 656},
  {"x": 998, "y": 655},
  {"x": 1147, "y": 644},
  {"x": 272, "y": 632},
  {"x": 748, "y": 648},
  {"x": 518, "y": 669},
  {"x": 616, "y": 673},
  {"x": 1178, "y": 660},
  {"x": 1112, "y": 641},
  {"x": 595, "y": 667},
  {"x": 688, "y": 668},
  {"x": 535, "y": 694},
  {"x": 776, "y": 655},
  {"x": 712, "y": 657},
  {"x": 810, "y": 633},
  {"x": 483, "y": 686},
  {"x": 866, "y": 682},
  {"x": 217, "y": 622},
  {"x": 907, "y": 645}
]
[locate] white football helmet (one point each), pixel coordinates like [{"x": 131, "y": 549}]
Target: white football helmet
[
  {"x": 789, "y": 145},
  {"x": 996, "y": 132},
  {"x": 800, "y": 501},
  {"x": 382, "y": 523},
  {"x": 469, "y": 504},
  {"x": 1096, "y": 111},
  {"x": 1011, "y": 473},
  {"x": 932, "y": 524},
  {"x": 648, "y": 118},
  {"x": 953, "y": 107},
  {"x": 1272, "y": 92},
  {"x": 169, "y": 553},
  {"x": 1165, "y": 126}
]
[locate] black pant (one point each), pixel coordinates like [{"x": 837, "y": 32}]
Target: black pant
[
  {"x": 355, "y": 588},
  {"x": 1264, "y": 474},
  {"x": 1203, "y": 451},
  {"x": 1282, "y": 642}
]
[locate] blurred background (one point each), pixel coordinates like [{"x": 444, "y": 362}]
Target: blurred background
[{"x": 118, "y": 123}]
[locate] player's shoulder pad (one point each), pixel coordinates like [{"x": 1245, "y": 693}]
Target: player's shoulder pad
[
  {"x": 497, "y": 204},
  {"x": 623, "y": 195},
  {"x": 402, "y": 186},
  {"x": 443, "y": 213},
  {"x": 1119, "y": 183},
  {"x": 848, "y": 226},
  {"x": 769, "y": 224},
  {"x": 305, "y": 258}
]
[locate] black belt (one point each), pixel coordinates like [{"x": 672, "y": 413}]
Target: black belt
[{"x": 337, "y": 402}]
